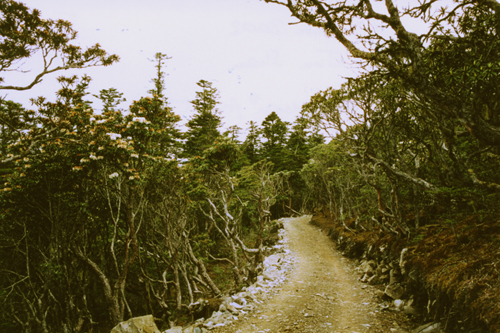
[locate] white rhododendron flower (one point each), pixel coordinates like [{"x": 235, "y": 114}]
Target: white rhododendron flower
[
  {"x": 140, "y": 120},
  {"x": 134, "y": 155},
  {"x": 113, "y": 175},
  {"x": 113, "y": 136}
]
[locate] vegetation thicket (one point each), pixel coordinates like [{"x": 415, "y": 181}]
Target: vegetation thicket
[
  {"x": 112, "y": 214},
  {"x": 415, "y": 151},
  {"x": 118, "y": 213}
]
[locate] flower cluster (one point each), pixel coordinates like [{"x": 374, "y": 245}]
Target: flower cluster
[
  {"x": 114, "y": 136},
  {"x": 141, "y": 120}
]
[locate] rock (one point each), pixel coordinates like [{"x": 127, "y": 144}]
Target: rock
[
  {"x": 408, "y": 307},
  {"x": 379, "y": 293},
  {"x": 210, "y": 324},
  {"x": 395, "y": 276},
  {"x": 208, "y": 306},
  {"x": 272, "y": 260},
  {"x": 394, "y": 291},
  {"x": 176, "y": 329},
  {"x": 428, "y": 328},
  {"x": 384, "y": 277},
  {"x": 372, "y": 279},
  {"x": 402, "y": 261},
  {"x": 231, "y": 308},
  {"x": 367, "y": 267},
  {"x": 398, "y": 304},
  {"x": 236, "y": 305},
  {"x": 189, "y": 329},
  {"x": 271, "y": 273},
  {"x": 144, "y": 324}
]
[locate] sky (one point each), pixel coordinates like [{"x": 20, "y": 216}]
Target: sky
[{"x": 246, "y": 48}]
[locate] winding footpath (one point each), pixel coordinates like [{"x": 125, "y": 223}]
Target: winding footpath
[{"x": 321, "y": 294}]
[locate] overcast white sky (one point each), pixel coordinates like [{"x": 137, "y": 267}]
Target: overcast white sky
[{"x": 255, "y": 59}]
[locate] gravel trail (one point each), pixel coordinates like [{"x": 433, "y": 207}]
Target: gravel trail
[{"x": 321, "y": 293}]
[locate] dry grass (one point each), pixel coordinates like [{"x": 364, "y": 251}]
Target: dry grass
[{"x": 464, "y": 268}]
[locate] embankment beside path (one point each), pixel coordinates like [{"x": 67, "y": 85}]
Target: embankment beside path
[{"x": 449, "y": 277}]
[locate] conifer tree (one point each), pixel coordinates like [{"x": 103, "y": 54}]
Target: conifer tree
[
  {"x": 297, "y": 147},
  {"x": 275, "y": 131},
  {"x": 252, "y": 144},
  {"x": 205, "y": 123}
]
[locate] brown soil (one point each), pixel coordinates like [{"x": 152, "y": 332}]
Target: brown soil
[{"x": 322, "y": 293}]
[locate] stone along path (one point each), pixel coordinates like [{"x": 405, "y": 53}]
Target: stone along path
[{"x": 321, "y": 294}]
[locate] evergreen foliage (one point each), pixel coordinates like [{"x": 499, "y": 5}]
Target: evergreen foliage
[
  {"x": 203, "y": 127},
  {"x": 105, "y": 216}
]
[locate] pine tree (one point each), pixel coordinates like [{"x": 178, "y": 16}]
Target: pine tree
[
  {"x": 205, "y": 123},
  {"x": 252, "y": 144},
  {"x": 275, "y": 131}
]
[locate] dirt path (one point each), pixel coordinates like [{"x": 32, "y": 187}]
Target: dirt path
[{"x": 322, "y": 294}]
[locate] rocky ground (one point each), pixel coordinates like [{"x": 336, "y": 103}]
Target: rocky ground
[{"x": 321, "y": 293}]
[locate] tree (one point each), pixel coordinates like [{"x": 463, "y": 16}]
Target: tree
[
  {"x": 252, "y": 145},
  {"x": 203, "y": 126},
  {"x": 24, "y": 34},
  {"x": 461, "y": 89},
  {"x": 14, "y": 119},
  {"x": 262, "y": 187},
  {"x": 275, "y": 135},
  {"x": 297, "y": 153},
  {"x": 159, "y": 80},
  {"x": 439, "y": 81},
  {"x": 102, "y": 174},
  {"x": 298, "y": 144}
]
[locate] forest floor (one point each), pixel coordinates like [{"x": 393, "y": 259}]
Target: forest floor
[{"x": 321, "y": 294}]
